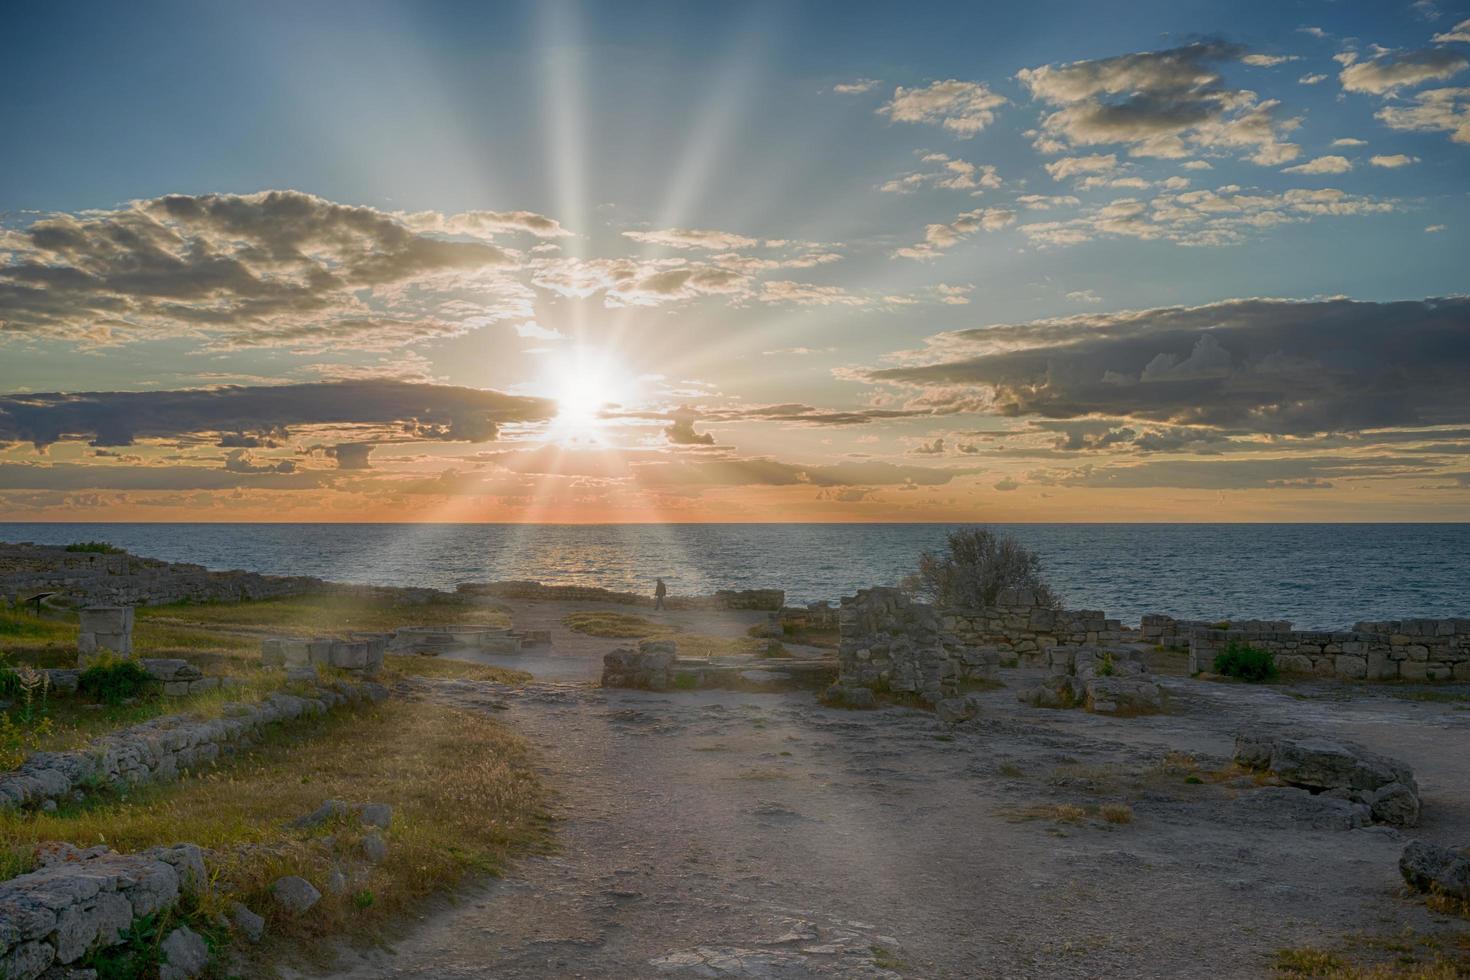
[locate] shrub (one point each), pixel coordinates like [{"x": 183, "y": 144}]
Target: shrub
[
  {"x": 976, "y": 564},
  {"x": 95, "y": 547},
  {"x": 1246, "y": 663},
  {"x": 115, "y": 681}
]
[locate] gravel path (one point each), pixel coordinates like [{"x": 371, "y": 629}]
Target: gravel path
[{"x": 712, "y": 834}]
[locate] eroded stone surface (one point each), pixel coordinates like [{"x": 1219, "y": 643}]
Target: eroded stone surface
[{"x": 1386, "y": 786}]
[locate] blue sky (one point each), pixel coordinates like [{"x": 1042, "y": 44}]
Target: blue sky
[{"x": 887, "y": 180}]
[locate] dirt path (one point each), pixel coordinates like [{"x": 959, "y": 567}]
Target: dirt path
[{"x": 712, "y": 834}]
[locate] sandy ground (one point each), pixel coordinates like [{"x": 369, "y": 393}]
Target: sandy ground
[{"x": 719, "y": 834}]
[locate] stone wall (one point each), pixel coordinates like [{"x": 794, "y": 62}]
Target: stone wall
[
  {"x": 891, "y": 643},
  {"x": 1411, "y": 650},
  {"x": 159, "y": 749},
  {"x": 128, "y": 580},
  {"x": 79, "y": 900},
  {"x": 1017, "y": 624},
  {"x": 1173, "y": 634},
  {"x": 103, "y": 631},
  {"x": 363, "y": 655}
]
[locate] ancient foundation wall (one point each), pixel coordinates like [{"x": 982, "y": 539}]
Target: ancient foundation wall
[
  {"x": 1411, "y": 650},
  {"x": 1173, "y": 634},
  {"x": 1017, "y": 624},
  {"x": 891, "y": 643}
]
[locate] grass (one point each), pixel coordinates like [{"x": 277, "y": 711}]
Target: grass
[
  {"x": 465, "y": 798},
  {"x": 95, "y": 547},
  {"x": 318, "y": 614},
  {"x": 1118, "y": 813},
  {"x": 1319, "y": 963},
  {"x": 452, "y": 669},
  {"x": 625, "y": 626},
  {"x": 1246, "y": 663}
]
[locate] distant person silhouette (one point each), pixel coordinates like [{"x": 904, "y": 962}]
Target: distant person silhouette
[{"x": 659, "y": 591}]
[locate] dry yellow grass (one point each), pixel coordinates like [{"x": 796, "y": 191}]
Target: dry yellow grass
[
  {"x": 305, "y": 615},
  {"x": 464, "y": 794},
  {"x": 1119, "y": 813},
  {"x": 1318, "y": 963}
]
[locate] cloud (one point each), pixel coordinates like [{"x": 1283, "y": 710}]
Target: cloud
[
  {"x": 771, "y": 472},
  {"x": 806, "y": 294},
  {"x": 1254, "y": 365},
  {"x": 857, "y": 86},
  {"x": 681, "y": 431},
  {"x": 1073, "y": 166},
  {"x": 1322, "y": 165},
  {"x": 1312, "y": 79},
  {"x": 1393, "y": 70},
  {"x": 1301, "y": 473},
  {"x": 79, "y": 476},
  {"x": 963, "y": 108},
  {"x": 350, "y": 455},
  {"x": 717, "y": 241},
  {"x": 1268, "y": 60},
  {"x": 1006, "y": 484},
  {"x": 1434, "y": 110},
  {"x": 1223, "y": 216},
  {"x": 118, "y": 418},
  {"x": 1432, "y": 229},
  {"x": 1460, "y": 32},
  {"x": 1157, "y": 102},
  {"x": 947, "y": 173},
  {"x": 484, "y": 224},
  {"x": 1393, "y": 160},
  {"x": 1349, "y": 141},
  {"x": 241, "y": 461},
  {"x": 628, "y": 283},
  {"x": 938, "y": 237},
  {"x": 276, "y": 268}
]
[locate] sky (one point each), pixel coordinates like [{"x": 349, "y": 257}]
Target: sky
[{"x": 798, "y": 261}]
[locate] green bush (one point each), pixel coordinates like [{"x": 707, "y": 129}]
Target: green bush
[
  {"x": 95, "y": 547},
  {"x": 1246, "y": 663},
  {"x": 115, "y": 681}
]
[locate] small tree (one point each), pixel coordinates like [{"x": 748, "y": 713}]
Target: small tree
[{"x": 976, "y": 564}]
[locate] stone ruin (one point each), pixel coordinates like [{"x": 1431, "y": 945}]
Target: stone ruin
[
  {"x": 759, "y": 600},
  {"x": 1408, "y": 649},
  {"x": 123, "y": 579},
  {"x": 1105, "y": 681},
  {"x": 655, "y": 665},
  {"x": 892, "y": 644},
  {"x": 360, "y": 656},
  {"x": 647, "y": 668},
  {"x": 105, "y": 630},
  {"x": 434, "y": 640}
]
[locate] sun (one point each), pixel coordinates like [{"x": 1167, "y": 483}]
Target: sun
[{"x": 586, "y": 384}]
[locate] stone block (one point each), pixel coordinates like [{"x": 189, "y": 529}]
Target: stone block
[{"x": 1352, "y": 668}]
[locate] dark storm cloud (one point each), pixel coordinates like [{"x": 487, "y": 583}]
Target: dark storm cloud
[
  {"x": 1254, "y": 365},
  {"x": 272, "y": 268},
  {"x": 117, "y": 418}
]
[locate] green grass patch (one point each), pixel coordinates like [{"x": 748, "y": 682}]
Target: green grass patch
[
  {"x": 95, "y": 548},
  {"x": 1246, "y": 663},
  {"x": 309, "y": 615}
]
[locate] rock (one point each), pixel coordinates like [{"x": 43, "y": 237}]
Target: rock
[
  {"x": 1432, "y": 868},
  {"x": 336, "y": 881},
  {"x": 955, "y": 711},
  {"x": 329, "y": 810},
  {"x": 374, "y": 848},
  {"x": 185, "y": 955},
  {"x": 295, "y": 894},
  {"x": 1350, "y": 771},
  {"x": 187, "y": 860},
  {"x": 1290, "y": 808},
  {"x": 378, "y": 815},
  {"x": 246, "y": 922},
  {"x": 646, "y": 668},
  {"x": 1123, "y": 696}
]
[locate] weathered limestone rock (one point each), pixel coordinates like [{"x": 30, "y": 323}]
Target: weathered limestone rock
[
  {"x": 55, "y": 914},
  {"x": 1104, "y": 681},
  {"x": 375, "y": 848},
  {"x": 1432, "y": 868},
  {"x": 378, "y": 815},
  {"x": 105, "y": 631},
  {"x": 646, "y": 668},
  {"x": 295, "y": 894},
  {"x": 185, "y": 955},
  {"x": 955, "y": 711},
  {"x": 246, "y": 922},
  {"x": 1342, "y": 769}
]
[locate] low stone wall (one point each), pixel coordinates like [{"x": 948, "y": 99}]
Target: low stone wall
[
  {"x": 1411, "y": 650},
  {"x": 363, "y": 656},
  {"x": 104, "y": 630},
  {"x": 128, "y": 580},
  {"x": 78, "y": 900},
  {"x": 760, "y": 600},
  {"x": 159, "y": 749},
  {"x": 1173, "y": 634},
  {"x": 1017, "y": 624}
]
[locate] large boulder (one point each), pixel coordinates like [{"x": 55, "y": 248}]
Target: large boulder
[
  {"x": 1343, "y": 769},
  {"x": 1432, "y": 868},
  {"x": 646, "y": 668}
]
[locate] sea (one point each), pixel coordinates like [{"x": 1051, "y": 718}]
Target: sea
[{"x": 1320, "y": 576}]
